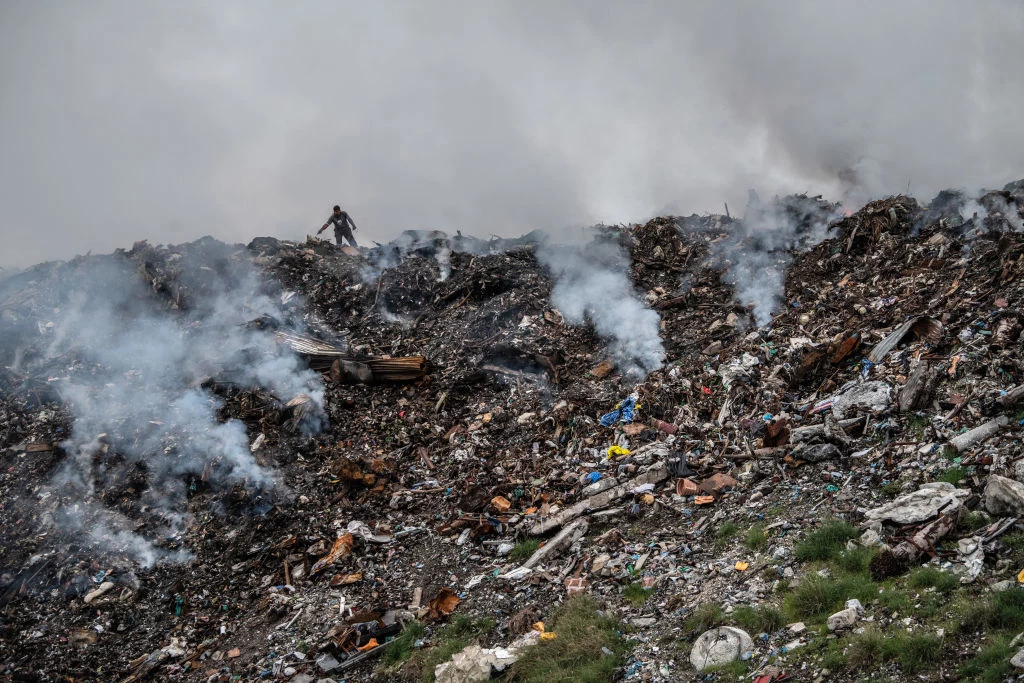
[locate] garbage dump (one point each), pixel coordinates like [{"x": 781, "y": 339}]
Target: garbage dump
[{"x": 782, "y": 447}]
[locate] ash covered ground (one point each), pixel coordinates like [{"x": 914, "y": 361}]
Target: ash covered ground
[{"x": 288, "y": 461}]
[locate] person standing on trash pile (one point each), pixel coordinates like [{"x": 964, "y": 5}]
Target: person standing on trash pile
[{"x": 341, "y": 221}]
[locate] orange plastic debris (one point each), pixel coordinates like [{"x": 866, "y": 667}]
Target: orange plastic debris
[
  {"x": 603, "y": 369},
  {"x": 742, "y": 566},
  {"x": 648, "y": 498},
  {"x": 443, "y": 604},
  {"x": 345, "y": 579},
  {"x": 686, "y": 487},
  {"x": 341, "y": 547},
  {"x": 633, "y": 429},
  {"x": 372, "y": 643},
  {"x": 848, "y": 346},
  {"x": 501, "y": 504},
  {"x": 704, "y": 500},
  {"x": 717, "y": 483}
]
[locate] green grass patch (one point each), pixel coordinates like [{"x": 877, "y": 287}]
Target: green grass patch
[
  {"x": 755, "y": 538},
  {"x": 917, "y": 424},
  {"x": 760, "y": 619},
  {"x": 933, "y": 577},
  {"x": 819, "y": 596},
  {"x": 854, "y": 561},
  {"x": 725, "y": 532},
  {"x": 954, "y": 475},
  {"x": 826, "y": 542},
  {"x": 576, "y": 652},
  {"x": 1003, "y": 610},
  {"x": 1014, "y": 541},
  {"x": 895, "y": 600},
  {"x": 456, "y": 635},
  {"x": 991, "y": 665},
  {"x": 973, "y": 520},
  {"x": 524, "y": 550},
  {"x": 706, "y": 616},
  {"x": 913, "y": 651},
  {"x": 400, "y": 648},
  {"x": 636, "y": 594},
  {"x": 891, "y": 489},
  {"x": 733, "y": 670},
  {"x": 834, "y": 659}
]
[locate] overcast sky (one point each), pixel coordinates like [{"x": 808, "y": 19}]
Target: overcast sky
[{"x": 168, "y": 121}]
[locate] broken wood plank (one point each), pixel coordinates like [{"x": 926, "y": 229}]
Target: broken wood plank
[
  {"x": 565, "y": 538},
  {"x": 600, "y": 500},
  {"x": 916, "y": 394},
  {"x": 1012, "y": 396},
  {"x": 978, "y": 435}
]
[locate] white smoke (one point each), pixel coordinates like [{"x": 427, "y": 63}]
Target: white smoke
[
  {"x": 592, "y": 283},
  {"x": 990, "y": 208},
  {"x": 759, "y": 279},
  {"x": 135, "y": 372},
  {"x": 1009, "y": 211},
  {"x": 973, "y": 211},
  {"x": 756, "y": 252}
]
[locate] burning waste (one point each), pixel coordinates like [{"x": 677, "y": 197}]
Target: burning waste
[{"x": 728, "y": 435}]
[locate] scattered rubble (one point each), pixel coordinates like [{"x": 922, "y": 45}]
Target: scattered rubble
[{"x": 397, "y": 462}]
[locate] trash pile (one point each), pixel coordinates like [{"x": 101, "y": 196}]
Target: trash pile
[{"x": 290, "y": 461}]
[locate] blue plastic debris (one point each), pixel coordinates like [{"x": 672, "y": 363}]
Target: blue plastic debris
[{"x": 623, "y": 413}]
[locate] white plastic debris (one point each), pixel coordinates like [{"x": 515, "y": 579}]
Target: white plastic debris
[
  {"x": 874, "y": 396},
  {"x": 843, "y": 619},
  {"x": 972, "y": 554},
  {"x": 720, "y": 646},
  {"x": 920, "y": 505}
]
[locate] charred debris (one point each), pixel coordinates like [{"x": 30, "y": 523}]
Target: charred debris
[{"x": 291, "y": 461}]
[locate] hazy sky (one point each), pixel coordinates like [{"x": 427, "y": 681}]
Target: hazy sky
[{"x": 168, "y": 121}]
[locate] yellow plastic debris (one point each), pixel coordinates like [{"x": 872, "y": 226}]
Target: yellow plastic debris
[
  {"x": 648, "y": 498},
  {"x": 1020, "y": 576},
  {"x": 617, "y": 450},
  {"x": 741, "y": 566},
  {"x": 544, "y": 635}
]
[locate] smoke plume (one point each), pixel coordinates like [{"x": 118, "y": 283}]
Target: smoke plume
[
  {"x": 136, "y": 355},
  {"x": 755, "y": 253},
  {"x": 592, "y": 283},
  {"x": 495, "y": 118}
]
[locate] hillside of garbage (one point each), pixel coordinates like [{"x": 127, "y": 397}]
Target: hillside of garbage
[{"x": 785, "y": 446}]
